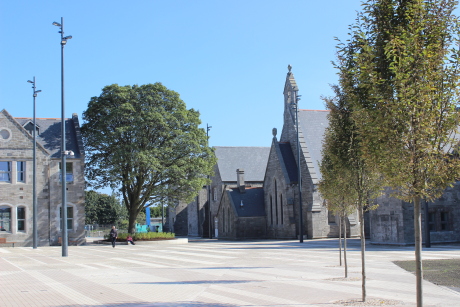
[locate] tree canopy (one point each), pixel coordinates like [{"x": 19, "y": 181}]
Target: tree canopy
[
  {"x": 103, "y": 209},
  {"x": 402, "y": 67},
  {"x": 143, "y": 141}
]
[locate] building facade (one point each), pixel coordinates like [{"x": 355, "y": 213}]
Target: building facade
[{"x": 16, "y": 180}]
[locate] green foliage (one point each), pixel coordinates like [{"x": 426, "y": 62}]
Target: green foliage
[
  {"x": 401, "y": 67},
  {"x": 405, "y": 60},
  {"x": 144, "y": 236},
  {"x": 103, "y": 209},
  {"x": 145, "y": 142}
]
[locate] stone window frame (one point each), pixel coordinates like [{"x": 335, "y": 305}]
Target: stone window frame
[
  {"x": 10, "y": 135},
  {"x": 70, "y": 220},
  {"x": 10, "y": 207},
  {"x": 8, "y": 173},
  {"x": 436, "y": 221},
  {"x": 24, "y": 219},
  {"x": 23, "y": 172},
  {"x": 68, "y": 173}
]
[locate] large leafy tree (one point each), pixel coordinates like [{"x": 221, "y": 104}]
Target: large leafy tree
[
  {"x": 145, "y": 142},
  {"x": 405, "y": 74},
  {"x": 103, "y": 209}
]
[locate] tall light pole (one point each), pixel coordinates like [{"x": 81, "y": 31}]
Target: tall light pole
[
  {"x": 34, "y": 172},
  {"x": 63, "y": 149},
  {"x": 209, "y": 189},
  {"x": 299, "y": 172}
]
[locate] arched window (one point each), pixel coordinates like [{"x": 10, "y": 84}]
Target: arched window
[
  {"x": 21, "y": 218},
  {"x": 276, "y": 203},
  {"x": 223, "y": 221},
  {"x": 228, "y": 221},
  {"x": 281, "y": 208},
  {"x": 5, "y": 218},
  {"x": 271, "y": 210},
  {"x": 69, "y": 217}
]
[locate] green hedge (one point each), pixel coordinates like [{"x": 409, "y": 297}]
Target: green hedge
[{"x": 144, "y": 236}]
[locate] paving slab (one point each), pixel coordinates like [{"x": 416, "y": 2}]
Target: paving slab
[{"x": 215, "y": 273}]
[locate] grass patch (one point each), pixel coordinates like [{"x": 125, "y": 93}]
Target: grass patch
[
  {"x": 144, "y": 236},
  {"x": 443, "y": 272}
]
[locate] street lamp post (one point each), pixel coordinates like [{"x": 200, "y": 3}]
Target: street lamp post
[
  {"x": 63, "y": 149},
  {"x": 209, "y": 189},
  {"x": 299, "y": 172},
  {"x": 34, "y": 171}
]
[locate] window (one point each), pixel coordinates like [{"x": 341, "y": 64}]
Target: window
[
  {"x": 21, "y": 219},
  {"x": 69, "y": 217},
  {"x": 282, "y": 209},
  {"x": 21, "y": 171},
  {"x": 5, "y": 218},
  {"x": 439, "y": 220},
  {"x": 214, "y": 193},
  {"x": 68, "y": 170},
  {"x": 330, "y": 217},
  {"x": 5, "y": 171},
  {"x": 444, "y": 221},
  {"x": 431, "y": 221}
]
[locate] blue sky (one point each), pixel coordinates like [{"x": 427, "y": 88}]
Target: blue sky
[{"x": 227, "y": 59}]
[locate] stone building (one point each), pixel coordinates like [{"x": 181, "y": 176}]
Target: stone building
[
  {"x": 16, "y": 180},
  {"x": 241, "y": 213},
  {"x": 281, "y": 178},
  {"x": 193, "y": 218},
  {"x": 238, "y": 213},
  {"x": 393, "y": 220}
]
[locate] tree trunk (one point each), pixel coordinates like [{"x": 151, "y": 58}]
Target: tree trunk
[
  {"x": 363, "y": 251},
  {"x": 418, "y": 250},
  {"x": 132, "y": 222},
  {"x": 340, "y": 239},
  {"x": 345, "y": 246}
]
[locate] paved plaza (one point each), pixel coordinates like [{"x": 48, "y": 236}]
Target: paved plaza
[{"x": 213, "y": 273}]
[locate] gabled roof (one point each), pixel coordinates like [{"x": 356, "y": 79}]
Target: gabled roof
[
  {"x": 313, "y": 124},
  {"x": 252, "y": 159},
  {"x": 50, "y": 135},
  {"x": 288, "y": 160},
  {"x": 253, "y": 202}
]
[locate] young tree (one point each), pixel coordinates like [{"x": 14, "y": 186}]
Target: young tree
[
  {"x": 406, "y": 61},
  {"x": 348, "y": 182},
  {"x": 145, "y": 142}
]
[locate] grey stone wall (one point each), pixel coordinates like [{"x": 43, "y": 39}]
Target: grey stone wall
[
  {"x": 393, "y": 221},
  {"x": 14, "y": 194},
  {"x": 279, "y": 203}
]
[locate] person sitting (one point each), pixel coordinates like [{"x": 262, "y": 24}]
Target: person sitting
[{"x": 129, "y": 239}]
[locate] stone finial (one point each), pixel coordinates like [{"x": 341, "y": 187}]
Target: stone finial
[
  {"x": 274, "y": 132},
  {"x": 289, "y": 67}
]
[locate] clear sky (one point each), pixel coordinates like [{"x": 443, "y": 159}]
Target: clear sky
[{"x": 227, "y": 59}]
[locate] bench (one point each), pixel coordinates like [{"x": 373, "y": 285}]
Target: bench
[
  {"x": 3, "y": 241},
  {"x": 68, "y": 241}
]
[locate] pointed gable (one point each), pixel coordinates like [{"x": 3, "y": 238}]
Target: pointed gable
[
  {"x": 252, "y": 159},
  {"x": 313, "y": 124}
]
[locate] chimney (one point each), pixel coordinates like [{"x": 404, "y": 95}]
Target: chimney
[{"x": 240, "y": 180}]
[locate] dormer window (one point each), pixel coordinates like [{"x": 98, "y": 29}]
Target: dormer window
[{"x": 30, "y": 126}]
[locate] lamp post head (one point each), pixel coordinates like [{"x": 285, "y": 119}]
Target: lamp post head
[
  {"x": 64, "y": 39},
  {"x": 30, "y": 81},
  {"x": 57, "y": 24}
]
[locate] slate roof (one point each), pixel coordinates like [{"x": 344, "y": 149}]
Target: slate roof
[
  {"x": 252, "y": 159},
  {"x": 253, "y": 202},
  {"x": 313, "y": 124},
  {"x": 289, "y": 161},
  {"x": 50, "y": 134}
]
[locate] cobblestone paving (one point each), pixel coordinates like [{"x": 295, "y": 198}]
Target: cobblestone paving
[{"x": 213, "y": 273}]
